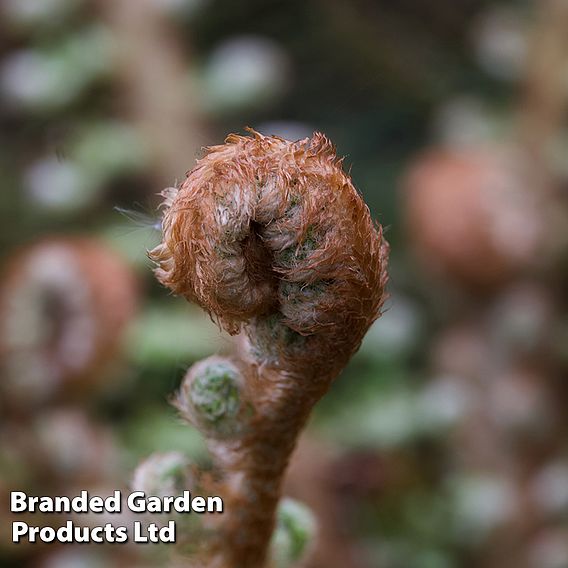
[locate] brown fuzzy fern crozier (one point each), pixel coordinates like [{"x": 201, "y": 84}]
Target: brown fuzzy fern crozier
[{"x": 271, "y": 238}]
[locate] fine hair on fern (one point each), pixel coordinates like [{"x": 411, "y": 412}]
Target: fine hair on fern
[{"x": 271, "y": 238}]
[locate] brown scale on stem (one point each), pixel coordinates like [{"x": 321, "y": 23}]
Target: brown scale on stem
[{"x": 272, "y": 239}]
